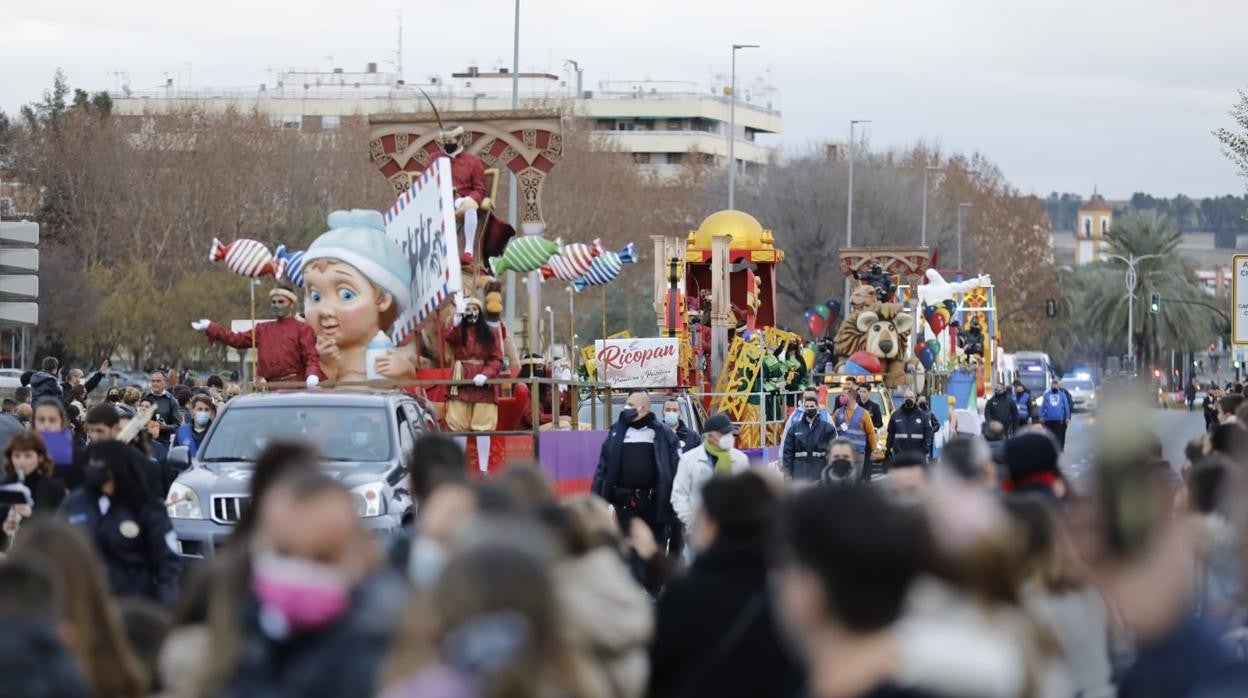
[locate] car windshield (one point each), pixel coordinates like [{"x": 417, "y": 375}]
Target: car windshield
[
  {"x": 343, "y": 434},
  {"x": 1078, "y": 384}
]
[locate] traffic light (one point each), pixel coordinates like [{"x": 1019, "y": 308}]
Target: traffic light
[
  {"x": 1154, "y": 303},
  {"x": 1050, "y": 308}
]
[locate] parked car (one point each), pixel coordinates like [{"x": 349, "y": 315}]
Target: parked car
[
  {"x": 365, "y": 439},
  {"x": 10, "y": 380}
]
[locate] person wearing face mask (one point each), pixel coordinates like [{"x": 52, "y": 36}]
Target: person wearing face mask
[
  {"x": 864, "y": 399},
  {"x": 854, "y": 424},
  {"x": 127, "y": 523},
  {"x": 191, "y": 434},
  {"x": 319, "y": 610},
  {"x": 637, "y": 466},
  {"x": 931, "y": 417},
  {"x": 468, "y": 182},
  {"x": 843, "y": 465},
  {"x": 286, "y": 346},
  {"x": 26, "y": 461},
  {"x": 66, "y": 452},
  {"x": 1002, "y": 408},
  {"x": 805, "y": 447},
  {"x": 689, "y": 439},
  {"x": 1055, "y": 412},
  {"x": 716, "y": 455},
  {"x": 909, "y": 428}
]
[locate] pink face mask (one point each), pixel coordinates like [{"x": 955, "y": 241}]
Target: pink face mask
[{"x": 305, "y": 594}]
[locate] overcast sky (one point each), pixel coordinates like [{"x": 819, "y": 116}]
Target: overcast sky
[{"x": 1063, "y": 95}]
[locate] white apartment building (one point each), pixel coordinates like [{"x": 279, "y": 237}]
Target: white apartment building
[{"x": 665, "y": 125}]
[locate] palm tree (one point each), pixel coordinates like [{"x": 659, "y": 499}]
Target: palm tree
[{"x": 1179, "y": 326}]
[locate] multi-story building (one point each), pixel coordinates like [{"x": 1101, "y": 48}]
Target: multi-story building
[{"x": 665, "y": 125}]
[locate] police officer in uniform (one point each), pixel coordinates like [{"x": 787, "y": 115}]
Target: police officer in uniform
[
  {"x": 909, "y": 428},
  {"x": 128, "y": 525},
  {"x": 806, "y": 443}
]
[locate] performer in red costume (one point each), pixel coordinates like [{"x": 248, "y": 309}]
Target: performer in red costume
[
  {"x": 287, "y": 345},
  {"x": 478, "y": 353},
  {"x": 468, "y": 179}
]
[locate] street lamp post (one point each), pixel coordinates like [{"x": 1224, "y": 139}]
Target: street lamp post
[
  {"x": 960, "y": 209},
  {"x": 849, "y": 208},
  {"x": 923, "y": 229},
  {"x": 509, "y": 302},
  {"x": 732, "y": 127},
  {"x": 1131, "y": 280}
]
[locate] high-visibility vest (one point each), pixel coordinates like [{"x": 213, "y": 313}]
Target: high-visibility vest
[{"x": 853, "y": 431}]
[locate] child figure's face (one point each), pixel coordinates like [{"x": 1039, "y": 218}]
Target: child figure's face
[{"x": 342, "y": 304}]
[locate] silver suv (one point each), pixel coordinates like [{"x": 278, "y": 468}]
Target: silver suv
[{"x": 365, "y": 439}]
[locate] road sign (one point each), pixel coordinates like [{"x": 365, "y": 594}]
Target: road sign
[{"x": 1239, "y": 291}]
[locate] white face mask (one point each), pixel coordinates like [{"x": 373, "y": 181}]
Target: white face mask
[
  {"x": 671, "y": 419},
  {"x": 726, "y": 442}
]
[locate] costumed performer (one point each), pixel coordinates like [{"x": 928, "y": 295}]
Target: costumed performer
[
  {"x": 468, "y": 180},
  {"x": 356, "y": 283},
  {"x": 478, "y": 353},
  {"x": 286, "y": 347}
]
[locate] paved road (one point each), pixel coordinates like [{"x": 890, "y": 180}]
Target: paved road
[{"x": 1174, "y": 427}]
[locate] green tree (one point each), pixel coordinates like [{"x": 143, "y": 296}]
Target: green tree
[
  {"x": 1180, "y": 326},
  {"x": 1235, "y": 142}
]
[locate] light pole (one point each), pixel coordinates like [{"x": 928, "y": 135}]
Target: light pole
[
  {"x": 849, "y": 212},
  {"x": 509, "y": 303},
  {"x": 732, "y": 127},
  {"x": 961, "y": 207},
  {"x": 1131, "y": 280},
  {"x": 923, "y": 230}
]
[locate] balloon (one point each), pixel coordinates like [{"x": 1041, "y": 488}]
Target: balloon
[
  {"x": 823, "y": 311},
  {"x": 927, "y": 357},
  {"x": 834, "y": 311},
  {"x": 854, "y": 369},
  {"x": 246, "y": 257},
  {"x": 934, "y": 320},
  {"x": 814, "y": 323},
  {"x": 868, "y": 362},
  {"x": 944, "y": 313},
  {"x": 525, "y": 253},
  {"x": 951, "y": 305},
  {"x": 919, "y": 345},
  {"x": 573, "y": 262},
  {"x": 808, "y": 357},
  {"x": 934, "y": 345}
]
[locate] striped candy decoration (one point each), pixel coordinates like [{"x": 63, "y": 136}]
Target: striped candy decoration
[
  {"x": 525, "y": 253},
  {"x": 606, "y": 267},
  {"x": 289, "y": 265},
  {"x": 243, "y": 256},
  {"x": 573, "y": 262}
]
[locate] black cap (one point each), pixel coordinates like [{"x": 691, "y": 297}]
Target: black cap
[{"x": 719, "y": 423}]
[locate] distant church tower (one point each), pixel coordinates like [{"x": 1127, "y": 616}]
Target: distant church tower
[{"x": 1093, "y": 221}]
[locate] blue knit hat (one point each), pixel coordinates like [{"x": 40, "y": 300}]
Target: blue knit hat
[{"x": 358, "y": 237}]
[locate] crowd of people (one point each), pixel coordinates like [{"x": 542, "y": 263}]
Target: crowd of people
[{"x": 688, "y": 570}]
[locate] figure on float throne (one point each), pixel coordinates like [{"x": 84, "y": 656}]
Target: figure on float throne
[{"x": 468, "y": 180}]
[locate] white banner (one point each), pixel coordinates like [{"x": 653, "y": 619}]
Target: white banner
[
  {"x": 1239, "y": 291},
  {"x": 422, "y": 222},
  {"x": 638, "y": 362}
]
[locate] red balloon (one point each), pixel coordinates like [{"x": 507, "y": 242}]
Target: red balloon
[
  {"x": 869, "y": 362},
  {"x": 815, "y": 323},
  {"x": 937, "y": 322}
]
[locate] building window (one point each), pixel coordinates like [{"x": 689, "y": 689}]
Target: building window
[
  {"x": 675, "y": 158},
  {"x": 331, "y": 123},
  {"x": 675, "y": 125},
  {"x": 625, "y": 126},
  {"x": 641, "y": 158},
  {"x": 1087, "y": 226},
  {"x": 1104, "y": 224}
]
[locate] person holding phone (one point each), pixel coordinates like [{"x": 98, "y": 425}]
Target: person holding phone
[{"x": 26, "y": 461}]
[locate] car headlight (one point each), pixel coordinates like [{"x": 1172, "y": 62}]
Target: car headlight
[
  {"x": 183, "y": 503},
  {"x": 369, "y": 499},
  {"x": 1092, "y": 395},
  {"x": 1037, "y": 401}
]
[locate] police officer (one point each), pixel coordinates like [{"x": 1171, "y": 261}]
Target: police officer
[
  {"x": 637, "y": 466},
  {"x": 909, "y": 428},
  {"x": 128, "y": 525},
  {"x": 806, "y": 443}
]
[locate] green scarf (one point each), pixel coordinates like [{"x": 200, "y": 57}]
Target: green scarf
[{"x": 723, "y": 459}]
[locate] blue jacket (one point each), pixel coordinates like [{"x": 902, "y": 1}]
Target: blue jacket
[
  {"x": 186, "y": 437},
  {"x": 667, "y": 455},
  {"x": 1054, "y": 407},
  {"x": 136, "y": 547},
  {"x": 1023, "y": 400}
]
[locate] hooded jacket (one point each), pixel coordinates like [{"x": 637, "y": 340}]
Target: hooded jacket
[
  {"x": 1002, "y": 408},
  {"x": 608, "y": 619},
  {"x": 44, "y": 384}
]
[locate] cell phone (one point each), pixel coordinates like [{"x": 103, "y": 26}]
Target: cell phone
[{"x": 15, "y": 493}]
